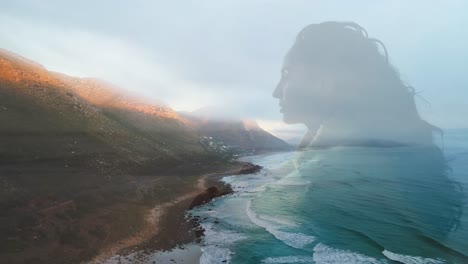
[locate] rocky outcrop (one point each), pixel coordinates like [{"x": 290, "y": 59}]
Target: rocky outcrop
[
  {"x": 209, "y": 194},
  {"x": 224, "y": 189},
  {"x": 250, "y": 168}
]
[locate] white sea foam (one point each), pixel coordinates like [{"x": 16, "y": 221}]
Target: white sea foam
[
  {"x": 270, "y": 160},
  {"x": 216, "y": 242},
  {"x": 214, "y": 236},
  {"x": 288, "y": 259},
  {"x": 327, "y": 255},
  {"x": 248, "y": 183},
  {"x": 213, "y": 254},
  {"x": 296, "y": 240},
  {"x": 292, "y": 181},
  {"x": 411, "y": 259},
  {"x": 277, "y": 220}
]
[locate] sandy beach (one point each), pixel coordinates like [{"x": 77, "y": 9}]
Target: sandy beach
[{"x": 161, "y": 221}]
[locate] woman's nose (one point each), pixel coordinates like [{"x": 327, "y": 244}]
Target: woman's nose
[{"x": 278, "y": 92}]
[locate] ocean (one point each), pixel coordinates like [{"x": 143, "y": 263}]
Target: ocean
[{"x": 345, "y": 205}]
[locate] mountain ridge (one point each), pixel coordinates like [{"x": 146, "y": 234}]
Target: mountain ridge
[
  {"x": 77, "y": 151},
  {"x": 244, "y": 134},
  {"x": 65, "y": 161}
]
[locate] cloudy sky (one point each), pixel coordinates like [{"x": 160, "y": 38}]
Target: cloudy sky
[{"x": 192, "y": 54}]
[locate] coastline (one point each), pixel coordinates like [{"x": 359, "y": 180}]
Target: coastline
[
  {"x": 152, "y": 225},
  {"x": 166, "y": 227}
]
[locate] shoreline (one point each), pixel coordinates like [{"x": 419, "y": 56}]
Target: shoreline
[{"x": 158, "y": 222}]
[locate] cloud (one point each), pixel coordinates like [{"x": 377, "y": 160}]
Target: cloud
[
  {"x": 78, "y": 52},
  {"x": 229, "y": 53},
  {"x": 86, "y": 54}
]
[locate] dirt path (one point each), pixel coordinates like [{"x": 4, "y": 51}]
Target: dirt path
[{"x": 151, "y": 228}]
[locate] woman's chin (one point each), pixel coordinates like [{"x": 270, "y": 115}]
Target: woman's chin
[{"x": 290, "y": 120}]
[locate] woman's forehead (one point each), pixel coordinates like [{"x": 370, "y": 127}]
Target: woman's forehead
[
  {"x": 294, "y": 59},
  {"x": 300, "y": 67}
]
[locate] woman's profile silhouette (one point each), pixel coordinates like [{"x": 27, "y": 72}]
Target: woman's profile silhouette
[
  {"x": 337, "y": 79},
  {"x": 380, "y": 185}
]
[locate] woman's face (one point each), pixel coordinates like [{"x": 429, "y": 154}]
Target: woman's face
[{"x": 305, "y": 93}]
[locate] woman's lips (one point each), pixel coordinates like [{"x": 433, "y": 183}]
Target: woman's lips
[{"x": 281, "y": 105}]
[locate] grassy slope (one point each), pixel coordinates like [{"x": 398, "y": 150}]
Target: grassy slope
[
  {"x": 75, "y": 175},
  {"x": 238, "y": 133}
]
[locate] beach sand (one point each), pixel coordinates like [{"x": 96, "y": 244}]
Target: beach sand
[{"x": 168, "y": 236}]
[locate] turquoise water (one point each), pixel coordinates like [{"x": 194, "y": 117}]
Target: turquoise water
[{"x": 345, "y": 205}]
